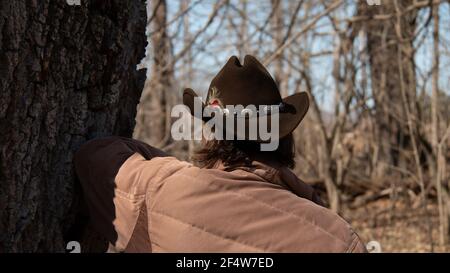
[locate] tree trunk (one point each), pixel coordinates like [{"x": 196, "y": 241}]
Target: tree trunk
[
  {"x": 383, "y": 44},
  {"x": 188, "y": 72},
  {"x": 67, "y": 74},
  {"x": 156, "y": 98},
  {"x": 277, "y": 32}
]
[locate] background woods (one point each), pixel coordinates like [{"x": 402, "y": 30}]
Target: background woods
[{"x": 375, "y": 141}]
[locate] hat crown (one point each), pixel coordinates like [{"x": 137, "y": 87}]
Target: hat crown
[{"x": 245, "y": 84}]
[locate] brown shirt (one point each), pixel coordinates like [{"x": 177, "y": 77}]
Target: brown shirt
[{"x": 145, "y": 201}]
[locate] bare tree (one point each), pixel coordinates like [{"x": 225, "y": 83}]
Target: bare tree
[
  {"x": 383, "y": 45},
  {"x": 277, "y": 32},
  {"x": 153, "y": 111},
  {"x": 439, "y": 165}
]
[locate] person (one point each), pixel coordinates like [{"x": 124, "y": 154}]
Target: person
[{"x": 234, "y": 198}]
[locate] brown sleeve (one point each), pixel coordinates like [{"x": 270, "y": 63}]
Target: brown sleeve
[
  {"x": 97, "y": 163},
  {"x": 100, "y": 159},
  {"x": 117, "y": 149}
]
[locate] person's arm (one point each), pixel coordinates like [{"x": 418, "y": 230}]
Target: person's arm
[
  {"x": 100, "y": 159},
  {"x": 108, "y": 154},
  {"x": 97, "y": 164}
]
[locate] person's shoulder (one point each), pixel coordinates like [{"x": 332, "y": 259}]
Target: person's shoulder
[
  {"x": 334, "y": 229},
  {"x": 161, "y": 168}
]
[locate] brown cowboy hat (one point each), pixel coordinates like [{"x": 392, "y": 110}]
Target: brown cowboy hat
[{"x": 251, "y": 84}]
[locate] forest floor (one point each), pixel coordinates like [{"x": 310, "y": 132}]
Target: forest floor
[{"x": 398, "y": 227}]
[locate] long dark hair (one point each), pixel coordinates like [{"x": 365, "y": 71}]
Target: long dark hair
[{"x": 240, "y": 153}]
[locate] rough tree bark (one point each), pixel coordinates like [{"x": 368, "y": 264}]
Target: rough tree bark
[{"x": 67, "y": 74}]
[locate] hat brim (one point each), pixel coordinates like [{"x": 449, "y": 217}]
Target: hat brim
[{"x": 288, "y": 121}]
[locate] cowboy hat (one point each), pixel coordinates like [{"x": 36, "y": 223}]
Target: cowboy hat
[{"x": 251, "y": 84}]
